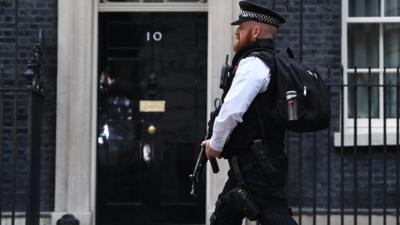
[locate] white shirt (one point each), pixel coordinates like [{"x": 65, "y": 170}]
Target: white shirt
[{"x": 252, "y": 78}]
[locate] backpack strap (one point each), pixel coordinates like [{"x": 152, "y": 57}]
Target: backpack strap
[
  {"x": 290, "y": 53},
  {"x": 261, "y": 126},
  {"x": 268, "y": 57}
]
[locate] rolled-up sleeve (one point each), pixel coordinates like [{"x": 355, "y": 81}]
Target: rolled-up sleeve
[{"x": 252, "y": 77}]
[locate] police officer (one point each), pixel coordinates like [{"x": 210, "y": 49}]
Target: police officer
[{"x": 250, "y": 190}]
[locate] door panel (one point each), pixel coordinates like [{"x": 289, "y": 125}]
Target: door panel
[{"x": 142, "y": 178}]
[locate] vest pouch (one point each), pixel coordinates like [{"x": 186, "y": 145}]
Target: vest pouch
[{"x": 261, "y": 154}]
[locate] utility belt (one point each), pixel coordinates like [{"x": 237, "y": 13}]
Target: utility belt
[{"x": 241, "y": 197}]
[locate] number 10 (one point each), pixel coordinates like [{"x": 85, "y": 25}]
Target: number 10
[{"x": 157, "y": 36}]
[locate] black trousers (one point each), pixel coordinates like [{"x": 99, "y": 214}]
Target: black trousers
[{"x": 272, "y": 202}]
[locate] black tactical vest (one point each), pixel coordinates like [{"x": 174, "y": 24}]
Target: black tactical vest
[{"x": 250, "y": 129}]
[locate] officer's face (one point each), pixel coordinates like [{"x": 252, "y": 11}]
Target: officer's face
[{"x": 243, "y": 35}]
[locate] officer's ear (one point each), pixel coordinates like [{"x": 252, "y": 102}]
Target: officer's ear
[{"x": 256, "y": 32}]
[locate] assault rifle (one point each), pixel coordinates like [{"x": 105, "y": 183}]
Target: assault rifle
[{"x": 202, "y": 159}]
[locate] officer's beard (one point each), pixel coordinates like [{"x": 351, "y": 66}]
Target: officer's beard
[{"x": 241, "y": 41}]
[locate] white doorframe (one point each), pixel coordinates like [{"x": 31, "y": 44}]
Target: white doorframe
[
  {"x": 75, "y": 88},
  {"x": 94, "y": 109}
]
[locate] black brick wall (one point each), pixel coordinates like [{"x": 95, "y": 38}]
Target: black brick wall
[{"x": 33, "y": 15}]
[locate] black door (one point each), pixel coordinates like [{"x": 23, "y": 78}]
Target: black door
[{"x": 146, "y": 151}]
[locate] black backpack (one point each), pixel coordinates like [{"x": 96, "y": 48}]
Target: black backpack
[{"x": 313, "y": 102}]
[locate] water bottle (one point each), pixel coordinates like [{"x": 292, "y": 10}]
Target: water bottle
[{"x": 291, "y": 97}]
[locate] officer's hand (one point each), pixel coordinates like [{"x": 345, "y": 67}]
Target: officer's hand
[{"x": 210, "y": 152}]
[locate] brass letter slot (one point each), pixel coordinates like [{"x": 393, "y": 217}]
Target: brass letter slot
[{"x": 151, "y": 106}]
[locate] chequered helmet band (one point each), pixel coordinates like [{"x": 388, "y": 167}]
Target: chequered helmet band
[{"x": 260, "y": 17}]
